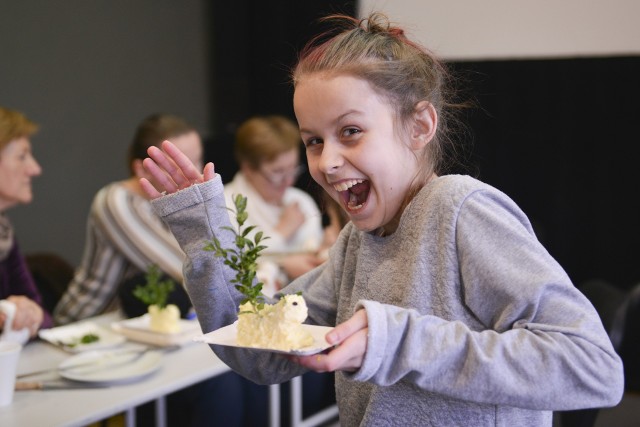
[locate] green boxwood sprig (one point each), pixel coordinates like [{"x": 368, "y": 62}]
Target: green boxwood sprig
[
  {"x": 155, "y": 291},
  {"x": 243, "y": 258}
]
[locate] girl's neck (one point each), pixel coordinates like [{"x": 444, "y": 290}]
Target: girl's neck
[{"x": 393, "y": 225}]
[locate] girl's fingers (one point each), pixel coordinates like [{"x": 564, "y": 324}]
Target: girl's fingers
[
  {"x": 350, "y": 339},
  {"x": 168, "y": 166},
  {"x": 209, "y": 172},
  {"x": 161, "y": 178},
  {"x": 344, "y": 330},
  {"x": 171, "y": 171},
  {"x": 149, "y": 189},
  {"x": 185, "y": 167},
  {"x": 348, "y": 356}
]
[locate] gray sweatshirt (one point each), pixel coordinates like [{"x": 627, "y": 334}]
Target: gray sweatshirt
[{"x": 471, "y": 321}]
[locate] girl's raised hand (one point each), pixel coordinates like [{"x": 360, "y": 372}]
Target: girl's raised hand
[
  {"x": 350, "y": 339},
  {"x": 171, "y": 170}
]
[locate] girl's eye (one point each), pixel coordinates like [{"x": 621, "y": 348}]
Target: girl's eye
[
  {"x": 312, "y": 141},
  {"x": 350, "y": 132}
]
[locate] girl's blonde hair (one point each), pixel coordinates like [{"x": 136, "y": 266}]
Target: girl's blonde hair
[
  {"x": 402, "y": 71},
  {"x": 14, "y": 125}
]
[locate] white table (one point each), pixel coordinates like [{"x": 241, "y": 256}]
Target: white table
[{"x": 180, "y": 368}]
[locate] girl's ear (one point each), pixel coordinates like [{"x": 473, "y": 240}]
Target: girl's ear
[{"x": 424, "y": 125}]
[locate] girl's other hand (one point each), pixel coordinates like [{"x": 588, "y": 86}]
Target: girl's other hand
[
  {"x": 171, "y": 170},
  {"x": 350, "y": 339}
]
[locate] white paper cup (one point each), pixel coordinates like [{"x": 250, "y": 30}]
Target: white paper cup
[{"x": 9, "y": 354}]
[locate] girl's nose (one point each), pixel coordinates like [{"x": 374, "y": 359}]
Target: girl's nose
[{"x": 331, "y": 158}]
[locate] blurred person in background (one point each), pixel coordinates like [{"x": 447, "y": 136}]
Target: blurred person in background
[
  {"x": 17, "y": 168},
  {"x": 124, "y": 237},
  {"x": 267, "y": 149}
]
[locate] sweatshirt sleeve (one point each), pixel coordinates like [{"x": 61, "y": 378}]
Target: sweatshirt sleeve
[
  {"x": 195, "y": 215},
  {"x": 542, "y": 347}
]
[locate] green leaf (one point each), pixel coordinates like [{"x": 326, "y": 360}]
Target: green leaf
[
  {"x": 248, "y": 230},
  {"x": 242, "y": 217}
]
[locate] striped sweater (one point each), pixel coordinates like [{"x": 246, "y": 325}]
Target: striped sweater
[{"x": 123, "y": 238}]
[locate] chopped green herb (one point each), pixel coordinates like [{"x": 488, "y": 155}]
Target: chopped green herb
[
  {"x": 89, "y": 338},
  {"x": 85, "y": 339}
]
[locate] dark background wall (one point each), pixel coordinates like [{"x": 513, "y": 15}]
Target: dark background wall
[{"x": 88, "y": 72}]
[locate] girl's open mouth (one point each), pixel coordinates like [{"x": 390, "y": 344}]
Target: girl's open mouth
[{"x": 354, "y": 193}]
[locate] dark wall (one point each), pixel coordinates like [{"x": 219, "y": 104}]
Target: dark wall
[
  {"x": 560, "y": 137},
  {"x": 88, "y": 72}
]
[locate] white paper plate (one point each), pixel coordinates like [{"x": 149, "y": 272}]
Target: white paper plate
[
  {"x": 138, "y": 329},
  {"x": 227, "y": 336},
  {"x": 110, "y": 366},
  {"x": 68, "y": 337}
]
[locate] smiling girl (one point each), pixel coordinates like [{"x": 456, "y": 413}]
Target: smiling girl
[{"x": 447, "y": 309}]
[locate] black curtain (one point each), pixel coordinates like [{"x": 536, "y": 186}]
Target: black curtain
[
  {"x": 560, "y": 137},
  {"x": 255, "y": 44}
]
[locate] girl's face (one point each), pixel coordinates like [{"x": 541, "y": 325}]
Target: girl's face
[
  {"x": 355, "y": 150},
  {"x": 17, "y": 167}
]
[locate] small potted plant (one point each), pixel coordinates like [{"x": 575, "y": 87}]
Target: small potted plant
[{"x": 155, "y": 293}]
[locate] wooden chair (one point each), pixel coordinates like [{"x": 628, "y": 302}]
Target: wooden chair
[{"x": 52, "y": 274}]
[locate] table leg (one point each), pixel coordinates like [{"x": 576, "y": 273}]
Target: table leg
[
  {"x": 130, "y": 417},
  {"x": 274, "y": 405},
  {"x": 161, "y": 412},
  {"x": 316, "y": 419},
  {"x": 296, "y": 401}
]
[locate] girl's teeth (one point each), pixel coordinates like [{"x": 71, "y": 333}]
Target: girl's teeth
[{"x": 344, "y": 186}]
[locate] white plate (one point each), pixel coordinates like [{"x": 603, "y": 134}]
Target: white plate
[
  {"x": 138, "y": 329},
  {"x": 111, "y": 366},
  {"x": 66, "y": 336},
  {"x": 227, "y": 336}
]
